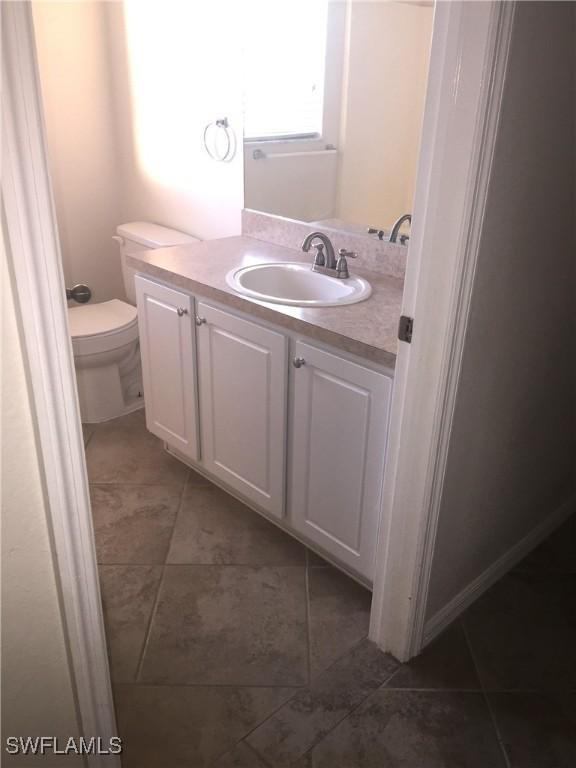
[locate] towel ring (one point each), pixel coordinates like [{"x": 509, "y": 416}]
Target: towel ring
[{"x": 230, "y": 140}]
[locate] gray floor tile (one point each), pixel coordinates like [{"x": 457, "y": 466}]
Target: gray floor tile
[
  {"x": 133, "y": 523},
  {"x": 242, "y": 756},
  {"x": 231, "y": 625},
  {"x": 413, "y": 729},
  {"x": 446, "y": 663},
  {"x": 128, "y": 594},
  {"x": 123, "y": 451},
  {"x": 339, "y": 616},
  {"x": 537, "y": 731},
  {"x": 306, "y": 761},
  {"x": 523, "y": 633},
  {"x": 215, "y": 528},
  {"x": 181, "y": 727},
  {"x": 556, "y": 554},
  {"x": 232, "y": 612},
  {"x": 314, "y": 711}
]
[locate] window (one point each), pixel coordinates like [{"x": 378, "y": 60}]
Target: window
[{"x": 284, "y": 65}]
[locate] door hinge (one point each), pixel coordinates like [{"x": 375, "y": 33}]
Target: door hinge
[{"x": 405, "y": 328}]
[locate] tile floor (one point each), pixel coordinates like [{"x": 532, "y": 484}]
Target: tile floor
[{"x": 232, "y": 645}]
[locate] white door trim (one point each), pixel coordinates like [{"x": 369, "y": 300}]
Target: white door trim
[
  {"x": 467, "y": 72},
  {"x": 33, "y": 237}
]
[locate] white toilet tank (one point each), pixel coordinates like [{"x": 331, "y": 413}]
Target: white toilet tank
[{"x": 140, "y": 236}]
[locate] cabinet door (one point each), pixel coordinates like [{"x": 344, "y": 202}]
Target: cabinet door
[
  {"x": 242, "y": 372},
  {"x": 340, "y": 423},
  {"x": 165, "y": 321}
]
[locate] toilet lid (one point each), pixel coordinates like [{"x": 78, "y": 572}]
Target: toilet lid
[{"x": 96, "y": 319}]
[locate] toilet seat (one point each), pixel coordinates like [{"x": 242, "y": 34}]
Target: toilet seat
[{"x": 97, "y": 328}]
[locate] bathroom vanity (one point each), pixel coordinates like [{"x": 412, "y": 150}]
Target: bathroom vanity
[{"x": 285, "y": 407}]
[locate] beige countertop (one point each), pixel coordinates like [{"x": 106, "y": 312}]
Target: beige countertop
[{"x": 367, "y": 329}]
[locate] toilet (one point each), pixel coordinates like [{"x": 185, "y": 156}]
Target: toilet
[{"x": 105, "y": 335}]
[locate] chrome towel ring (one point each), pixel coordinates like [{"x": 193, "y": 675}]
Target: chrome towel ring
[{"x": 215, "y": 132}]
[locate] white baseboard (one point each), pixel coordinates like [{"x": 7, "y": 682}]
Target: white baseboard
[{"x": 490, "y": 576}]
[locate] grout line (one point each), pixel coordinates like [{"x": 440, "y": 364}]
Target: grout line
[
  {"x": 176, "y": 516},
  {"x": 521, "y": 691},
  {"x": 149, "y": 628},
  {"x": 160, "y": 585},
  {"x": 233, "y": 686},
  {"x": 386, "y": 687},
  {"x": 164, "y": 485},
  {"x": 486, "y": 697},
  {"x": 303, "y": 687},
  {"x": 248, "y": 746},
  {"x": 308, "y": 623},
  {"x": 347, "y": 715},
  {"x": 343, "y": 656},
  {"x": 321, "y": 738},
  {"x": 265, "y": 719},
  {"x": 392, "y": 676},
  {"x": 257, "y": 754},
  {"x": 170, "y": 486},
  {"x": 210, "y": 565}
]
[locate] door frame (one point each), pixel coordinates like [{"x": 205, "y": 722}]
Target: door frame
[
  {"x": 37, "y": 268},
  {"x": 467, "y": 71},
  {"x": 468, "y": 62}
]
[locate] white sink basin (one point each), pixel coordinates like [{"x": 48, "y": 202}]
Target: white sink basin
[{"x": 297, "y": 285}]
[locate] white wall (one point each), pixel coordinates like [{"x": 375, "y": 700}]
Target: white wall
[
  {"x": 511, "y": 456},
  {"x": 389, "y": 48},
  {"x": 75, "y": 78},
  {"x": 37, "y": 690},
  {"x": 175, "y": 69}
]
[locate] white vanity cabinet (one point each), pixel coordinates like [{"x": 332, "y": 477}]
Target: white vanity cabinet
[
  {"x": 165, "y": 324},
  {"x": 295, "y": 430},
  {"x": 243, "y": 373},
  {"x": 339, "y": 432}
]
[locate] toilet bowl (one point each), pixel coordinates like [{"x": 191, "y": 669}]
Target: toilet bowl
[
  {"x": 107, "y": 359},
  {"x": 105, "y": 335}
]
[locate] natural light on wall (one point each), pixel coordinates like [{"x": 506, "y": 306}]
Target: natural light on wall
[
  {"x": 191, "y": 60},
  {"x": 182, "y": 57},
  {"x": 284, "y": 49}
]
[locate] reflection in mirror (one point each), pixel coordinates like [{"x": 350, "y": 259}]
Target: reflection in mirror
[{"x": 333, "y": 103}]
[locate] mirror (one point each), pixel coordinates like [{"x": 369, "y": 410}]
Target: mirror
[{"x": 333, "y": 102}]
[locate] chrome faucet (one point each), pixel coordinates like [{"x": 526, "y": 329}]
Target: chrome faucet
[
  {"x": 396, "y": 228},
  {"x": 328, "y": 260},
  {"x": 326, "y": 263}
]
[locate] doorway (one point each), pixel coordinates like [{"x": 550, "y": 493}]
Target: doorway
[{"x": 70, "y": 426}]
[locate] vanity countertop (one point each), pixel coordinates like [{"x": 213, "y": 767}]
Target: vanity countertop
[{"x": 367, "y": 329}]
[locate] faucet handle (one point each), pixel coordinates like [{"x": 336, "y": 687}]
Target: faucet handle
[
  {"x": 342, "y": 265},
  {"x": 319, "y": 259}
]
